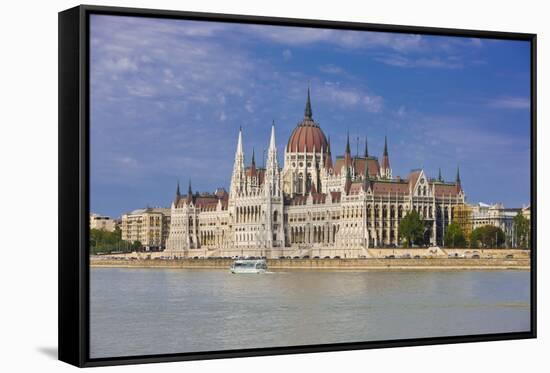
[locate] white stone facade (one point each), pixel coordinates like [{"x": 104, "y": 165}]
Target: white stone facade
[{"x": 310, "y": 207}]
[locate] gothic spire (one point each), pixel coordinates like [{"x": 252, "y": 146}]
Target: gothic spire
[
  {"x": 253, "y": 158},
  {"x": 178, "y": 194},
  {"x": 348, "y": 150},
  {"x": 272, "y": 145},
  {"x": 240, "y": 141},
  {"x": 308, "y": 113},
  {"x": 189, "y": 192},
  {"x": 439, "y": 177},
  {"x": 366, "y": 147},
  {"x": 386, "y": 145},
  {"x": 457, "y": 175}
]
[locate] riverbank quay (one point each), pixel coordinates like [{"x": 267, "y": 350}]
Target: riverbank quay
[{"x": 326, "y": 264}]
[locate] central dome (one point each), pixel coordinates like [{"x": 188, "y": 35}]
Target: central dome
[{"x": 307, "y": 134}]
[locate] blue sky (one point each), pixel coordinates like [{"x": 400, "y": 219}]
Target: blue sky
[{"x": 168, "y": 97}]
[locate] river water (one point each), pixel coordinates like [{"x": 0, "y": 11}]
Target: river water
[{"x": 158, "y": 311}]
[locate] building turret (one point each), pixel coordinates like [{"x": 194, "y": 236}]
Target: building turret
[
  {"x": 189, "y": 193},
  {"x": 347, "y": 154},
  {"x": 272, "y": 174},
  {"x": 253, "y": 164},
  {"x": 307, "y": 112},
  {"x": 178, "y": 194},
  {"x": 328, "y": 156},
  {"x": 385, "y": 171},
  {"x": 238, "y": 176}
]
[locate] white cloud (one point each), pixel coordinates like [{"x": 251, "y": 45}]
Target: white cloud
[
  {"x": 287, "y": 54},
  {"x": 449, "y": 62},
  {"x": 341, "y": 38},
  {"x": 401, "y": 112},
  {"x": 331, "y": 69},
  {"x": 350, "y": 97},
  {"x": 248, "y": 106},
  {"x": 510, "y": 103}
]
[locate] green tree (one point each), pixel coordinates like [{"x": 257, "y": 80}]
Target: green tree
[
  {"x": 136, "y": 245},
  {"x": 411, "y": 229},
  {"x": 487, "y": 236},
  {"x": 102, "y": 241},
  {"x": 454, "y": 236},
  {"x": 522, "y": 231}
]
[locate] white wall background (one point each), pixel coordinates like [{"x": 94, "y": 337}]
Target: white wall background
[{"x": 28, "y": 183}]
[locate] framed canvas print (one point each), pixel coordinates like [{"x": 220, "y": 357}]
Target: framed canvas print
[{"x": 235, "y": 186}]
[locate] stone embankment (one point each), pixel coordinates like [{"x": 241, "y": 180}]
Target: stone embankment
[{"x": 520, "y": 263}]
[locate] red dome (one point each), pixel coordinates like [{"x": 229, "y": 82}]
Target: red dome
[{"x": 307, "y": 134}]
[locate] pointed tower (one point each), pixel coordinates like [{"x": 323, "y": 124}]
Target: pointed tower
[
  {"x": 253, "y": 164},
  {"x": 366, "y": 178},
  {"x": 347, "y": 154},
  {"x": 347, "y": 184},
  {"x": 307, "y": 112},
  {"x": 238, "y": 176},
  {"x": 328, "y": 156},
  {"x": 189, "y": 193},
  {"x": 272, "y": 174},
  {"x": 385, "y": 172},
  {"x": 458, "y": 182},
  {"x": 439, "y": 177},
  {"x": 366, "y": 154},
  {"x": 178, "y": 194}
]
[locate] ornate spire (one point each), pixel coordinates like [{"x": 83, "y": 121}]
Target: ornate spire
[
  {"x": 439, "y": 177},
  {"x": 366, "y": 148},
  {"x": 308, "y": 113},
  {"x": 178, "y": 194},
  {"x": 189, "y": 192},
  {"x": 328, "y": 156},
  {"x": 253, "y": 158},
  {"x": 457, "y": 175},
  {"x": 240, "y": 141},
  {"x": 347, "y": 154},
  {"x": 386, "y": 170},
  {"x": 347, "y": 185},
  {"x": 272, "y": 139},
  {"x": 366, "y": 179}
]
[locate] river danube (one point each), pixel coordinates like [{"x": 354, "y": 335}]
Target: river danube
[{"x": 159, "y": 311}]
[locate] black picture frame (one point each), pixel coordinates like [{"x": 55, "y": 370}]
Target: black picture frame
[{"x": 74, "y": 193}]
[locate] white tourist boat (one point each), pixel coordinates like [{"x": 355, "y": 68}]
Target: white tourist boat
[{"x": 249, "y": 266}]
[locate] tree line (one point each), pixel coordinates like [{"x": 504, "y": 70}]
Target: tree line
[
  {"x": 412, "y": 231},
  {"x": 105, "y": 242}
]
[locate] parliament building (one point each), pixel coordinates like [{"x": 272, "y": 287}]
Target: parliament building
[{"x": 315, "y": 205}]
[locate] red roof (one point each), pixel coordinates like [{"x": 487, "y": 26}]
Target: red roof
[
  {"x": 392, "y": 187},
  {"x": 307, "y": 135},
  {"x": 413, "y": 177},
  {"x": 372, "y": 164},
  {"x": 445, "y": 190}
]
